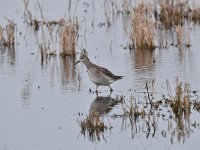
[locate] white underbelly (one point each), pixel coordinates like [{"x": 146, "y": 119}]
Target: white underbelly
[{"x": 99, "y": 79}]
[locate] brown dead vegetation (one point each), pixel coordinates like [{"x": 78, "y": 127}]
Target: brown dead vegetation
[{"x": 7, "y": 34}]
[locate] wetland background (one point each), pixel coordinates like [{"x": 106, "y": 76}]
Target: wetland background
[{"x": 48, "y": 103}]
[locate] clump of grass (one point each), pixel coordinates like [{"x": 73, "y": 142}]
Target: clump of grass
[
  {"x": 173, "y": 12},
  {"x": 68, "y": 38},
  {"x": 180, "y": 105},
  {"x": 136, "y": 112},
  {"x": 47, "y": 40},
  {"x": 142, "y": 27},
  {"x": 66, "y": 32},
  {"x": 93, "y": 127},
  {"x": 181, "y": 102},
  {"x": 195, "y": 14},
  {"x": 182, "y": 36},
  {"x": 7, "y": 35},
  {"x": 179, "y": 32},
  {"x": 196, "y": 106},
  {"x": 55, "y": 36},
  {"x": 132, "y": 110}
]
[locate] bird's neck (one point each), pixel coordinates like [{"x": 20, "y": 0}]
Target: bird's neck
[{"x": 88, "y": 64}]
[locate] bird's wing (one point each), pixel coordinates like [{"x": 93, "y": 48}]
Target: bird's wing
[{"x": 107, "y": 72}]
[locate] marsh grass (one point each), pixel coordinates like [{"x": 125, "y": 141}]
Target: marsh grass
[
  {"x": 179, "y": 32},
  {"x": 132, "y": 109},
  {"x": 144, "y": 113},
  {"x": 68, "y": 37},
  {"x": 27, "y": 14},
  {"x": 7, "y": 34},
  {"x": 181, "y": 106},
  {"x": 138, "y": 115},
  {"x": 196, "y": 106},
  {"x": 142, "y": 27},
  {"x": 93, "y": 127},
  {"x": 195, "y": 15},
  {"x": 53, "y": 36},
  {"x": 114, "y": 8},
  {"x": 60, "y": 38},
  {"x": 176, "y": 12},
  {"x": 173, "y": 12},
  {"x": 181, "y": 102},
  {"x": 183, "y": 36}
]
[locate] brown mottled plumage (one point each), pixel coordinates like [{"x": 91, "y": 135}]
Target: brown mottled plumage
[{"x": 98, "y": 75}]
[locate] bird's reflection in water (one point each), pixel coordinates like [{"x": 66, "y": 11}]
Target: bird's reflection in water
[
  {"x": 102, "y": 105},
  {"x": 94, "y": 126}
]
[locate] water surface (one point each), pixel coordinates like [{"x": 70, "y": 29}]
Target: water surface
[{"x": 40, "y": 102}]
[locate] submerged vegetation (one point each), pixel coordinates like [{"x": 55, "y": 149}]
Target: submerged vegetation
[
  {"x": 144, "y": 113},
  {"x": 148, "y": 112},
  {"x": 93, "y": 127}
]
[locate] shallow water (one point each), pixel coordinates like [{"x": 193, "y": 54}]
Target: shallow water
[{"x": 40, "y": 103}]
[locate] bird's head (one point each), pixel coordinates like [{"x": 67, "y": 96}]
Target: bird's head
[{"x": 83, "y": 58}]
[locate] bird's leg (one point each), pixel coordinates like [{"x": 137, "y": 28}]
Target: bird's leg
[
  {"x": 97, "y": 89},
  {"x": 97, "y": 94},
  {"x": 110, "y": 89}
]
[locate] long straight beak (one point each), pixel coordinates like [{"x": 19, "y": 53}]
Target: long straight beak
[{"x": 77, "y": 62}]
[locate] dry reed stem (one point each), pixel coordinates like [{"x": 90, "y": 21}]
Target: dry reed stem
[
  {"x": 186, "y": 100},
  {"x": 26, "y": 3},
  {"x": 187, "y": 40},
  {"x": 115, "y": 7},
  {"x": 181, "y": 101},
  {"x": 53, "y": 31},
  {"x": 178, "y": 98},
  {"x": 173, "y": 12},
  {"x": 126, "y": 6},
  {"x": 183, "y": 36},
  {"x": 10, "y": 29},
  {"x": 27, "y": 14},
  {"x": 195, "y": 15},
  {"x": 142, "y": 27},
  {"x": 7, "y": 34},
  {"x": 110, "y": 10},
  {"x": 2, "y": 40},
  {"x": 179, "y": 31},
  {"x": 131, "y": 109},
  {"x": 68, "y": 38},
  {"x": 93, "y": 127}
]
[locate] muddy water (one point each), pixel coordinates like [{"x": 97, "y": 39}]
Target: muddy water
[{"x": 40, "y": 102}]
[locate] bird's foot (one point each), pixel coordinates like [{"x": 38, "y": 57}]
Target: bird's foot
[
  {"x": 111, "y": 90},
  {"x": 96, "y": 93}
]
